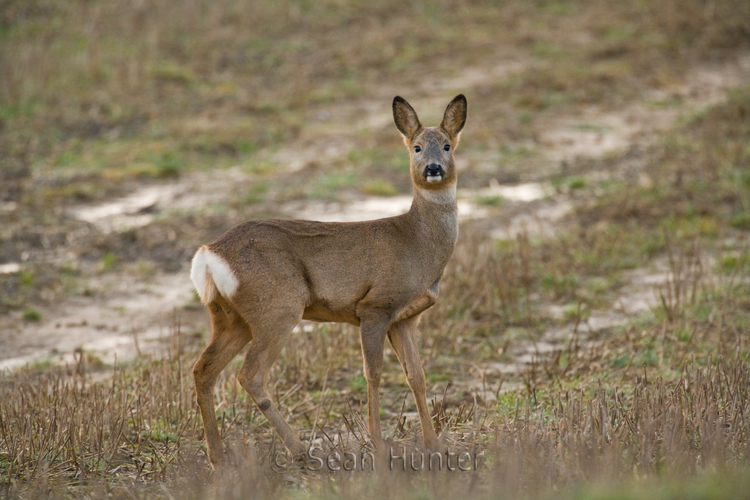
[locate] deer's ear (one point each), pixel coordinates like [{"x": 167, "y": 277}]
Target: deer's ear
[
  {"x": 454, "y": 118},
  {"x": 405, "y": 117}
]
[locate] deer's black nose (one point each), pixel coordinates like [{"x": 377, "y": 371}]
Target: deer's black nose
[{"x": 434, "y": 170}]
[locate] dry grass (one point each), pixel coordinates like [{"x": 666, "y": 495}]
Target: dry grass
[
  {"x": 674, "y": 408},
  {"x": 138, "y": 433}
]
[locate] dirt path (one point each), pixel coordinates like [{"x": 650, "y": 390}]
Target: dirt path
[{"x": 128, "y": 313}]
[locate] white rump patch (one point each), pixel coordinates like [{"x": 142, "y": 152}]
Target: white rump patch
[{"x": 211, "y": 273}]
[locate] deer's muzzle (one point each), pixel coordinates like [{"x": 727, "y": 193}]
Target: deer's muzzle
[{"x": 433, "y": 173}]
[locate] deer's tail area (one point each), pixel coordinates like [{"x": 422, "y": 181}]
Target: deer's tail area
[{"x": 212, "y": 275}]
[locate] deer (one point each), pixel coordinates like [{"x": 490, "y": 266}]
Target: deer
[{"x": 262, "y": 277}]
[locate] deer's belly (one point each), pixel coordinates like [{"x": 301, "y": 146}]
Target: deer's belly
[{"x": 320, "y": 312}]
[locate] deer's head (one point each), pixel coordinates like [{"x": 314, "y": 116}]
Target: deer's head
[{"x": 431, "y": 148}]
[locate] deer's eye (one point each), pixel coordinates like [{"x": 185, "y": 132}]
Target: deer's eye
[
  {"x": 447, "y": 147},
  {"x": 417, "y": 149}
]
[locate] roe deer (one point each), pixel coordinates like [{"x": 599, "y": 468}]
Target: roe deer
[{"x": 263, "y": 276}]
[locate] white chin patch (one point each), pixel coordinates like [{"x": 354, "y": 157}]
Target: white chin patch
[{"x": 434, "y": 178}]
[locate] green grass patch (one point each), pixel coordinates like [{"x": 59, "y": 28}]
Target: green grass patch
[
  {"x": 107, "y": 262},
  {"x": 379, "y": 188},
  {"x": 328, "y": 186},
  {"x": 576, "y": 183},
  {"x": 741, "y": 221},
  {"x": 167, "y": 164},
  {"x": 256, "y": 193},
  {"x": 27, "y": 278},
  {"x": 358, "y": 383},
  {"x": 31, "y": 315},
  {"x": 489, "y": 200}
]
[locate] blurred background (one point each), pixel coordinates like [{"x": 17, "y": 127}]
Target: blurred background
[{"x": 604, "y": 180}]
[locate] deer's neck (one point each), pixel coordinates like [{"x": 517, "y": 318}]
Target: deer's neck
[
  {"x": 445, "y": 198},
  {"x": 434, "y": 222}
]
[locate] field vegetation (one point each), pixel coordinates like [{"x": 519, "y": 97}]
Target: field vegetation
[{"x": 541, "y": 357}]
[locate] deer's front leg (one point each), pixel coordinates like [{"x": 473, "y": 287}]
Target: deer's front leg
[
  {"x": 403, "y": 339},
  {"x": 374, "y": 328}
]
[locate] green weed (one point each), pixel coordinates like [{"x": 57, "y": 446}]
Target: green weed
[{"x": 31, "y": 315}]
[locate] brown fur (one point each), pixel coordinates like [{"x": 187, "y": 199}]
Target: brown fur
[{"x": 379, "y": 275}]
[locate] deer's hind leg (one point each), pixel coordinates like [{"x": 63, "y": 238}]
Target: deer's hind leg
[
  {"x": 271, "y": 331},
  {"x": 229, "y": 334}
]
